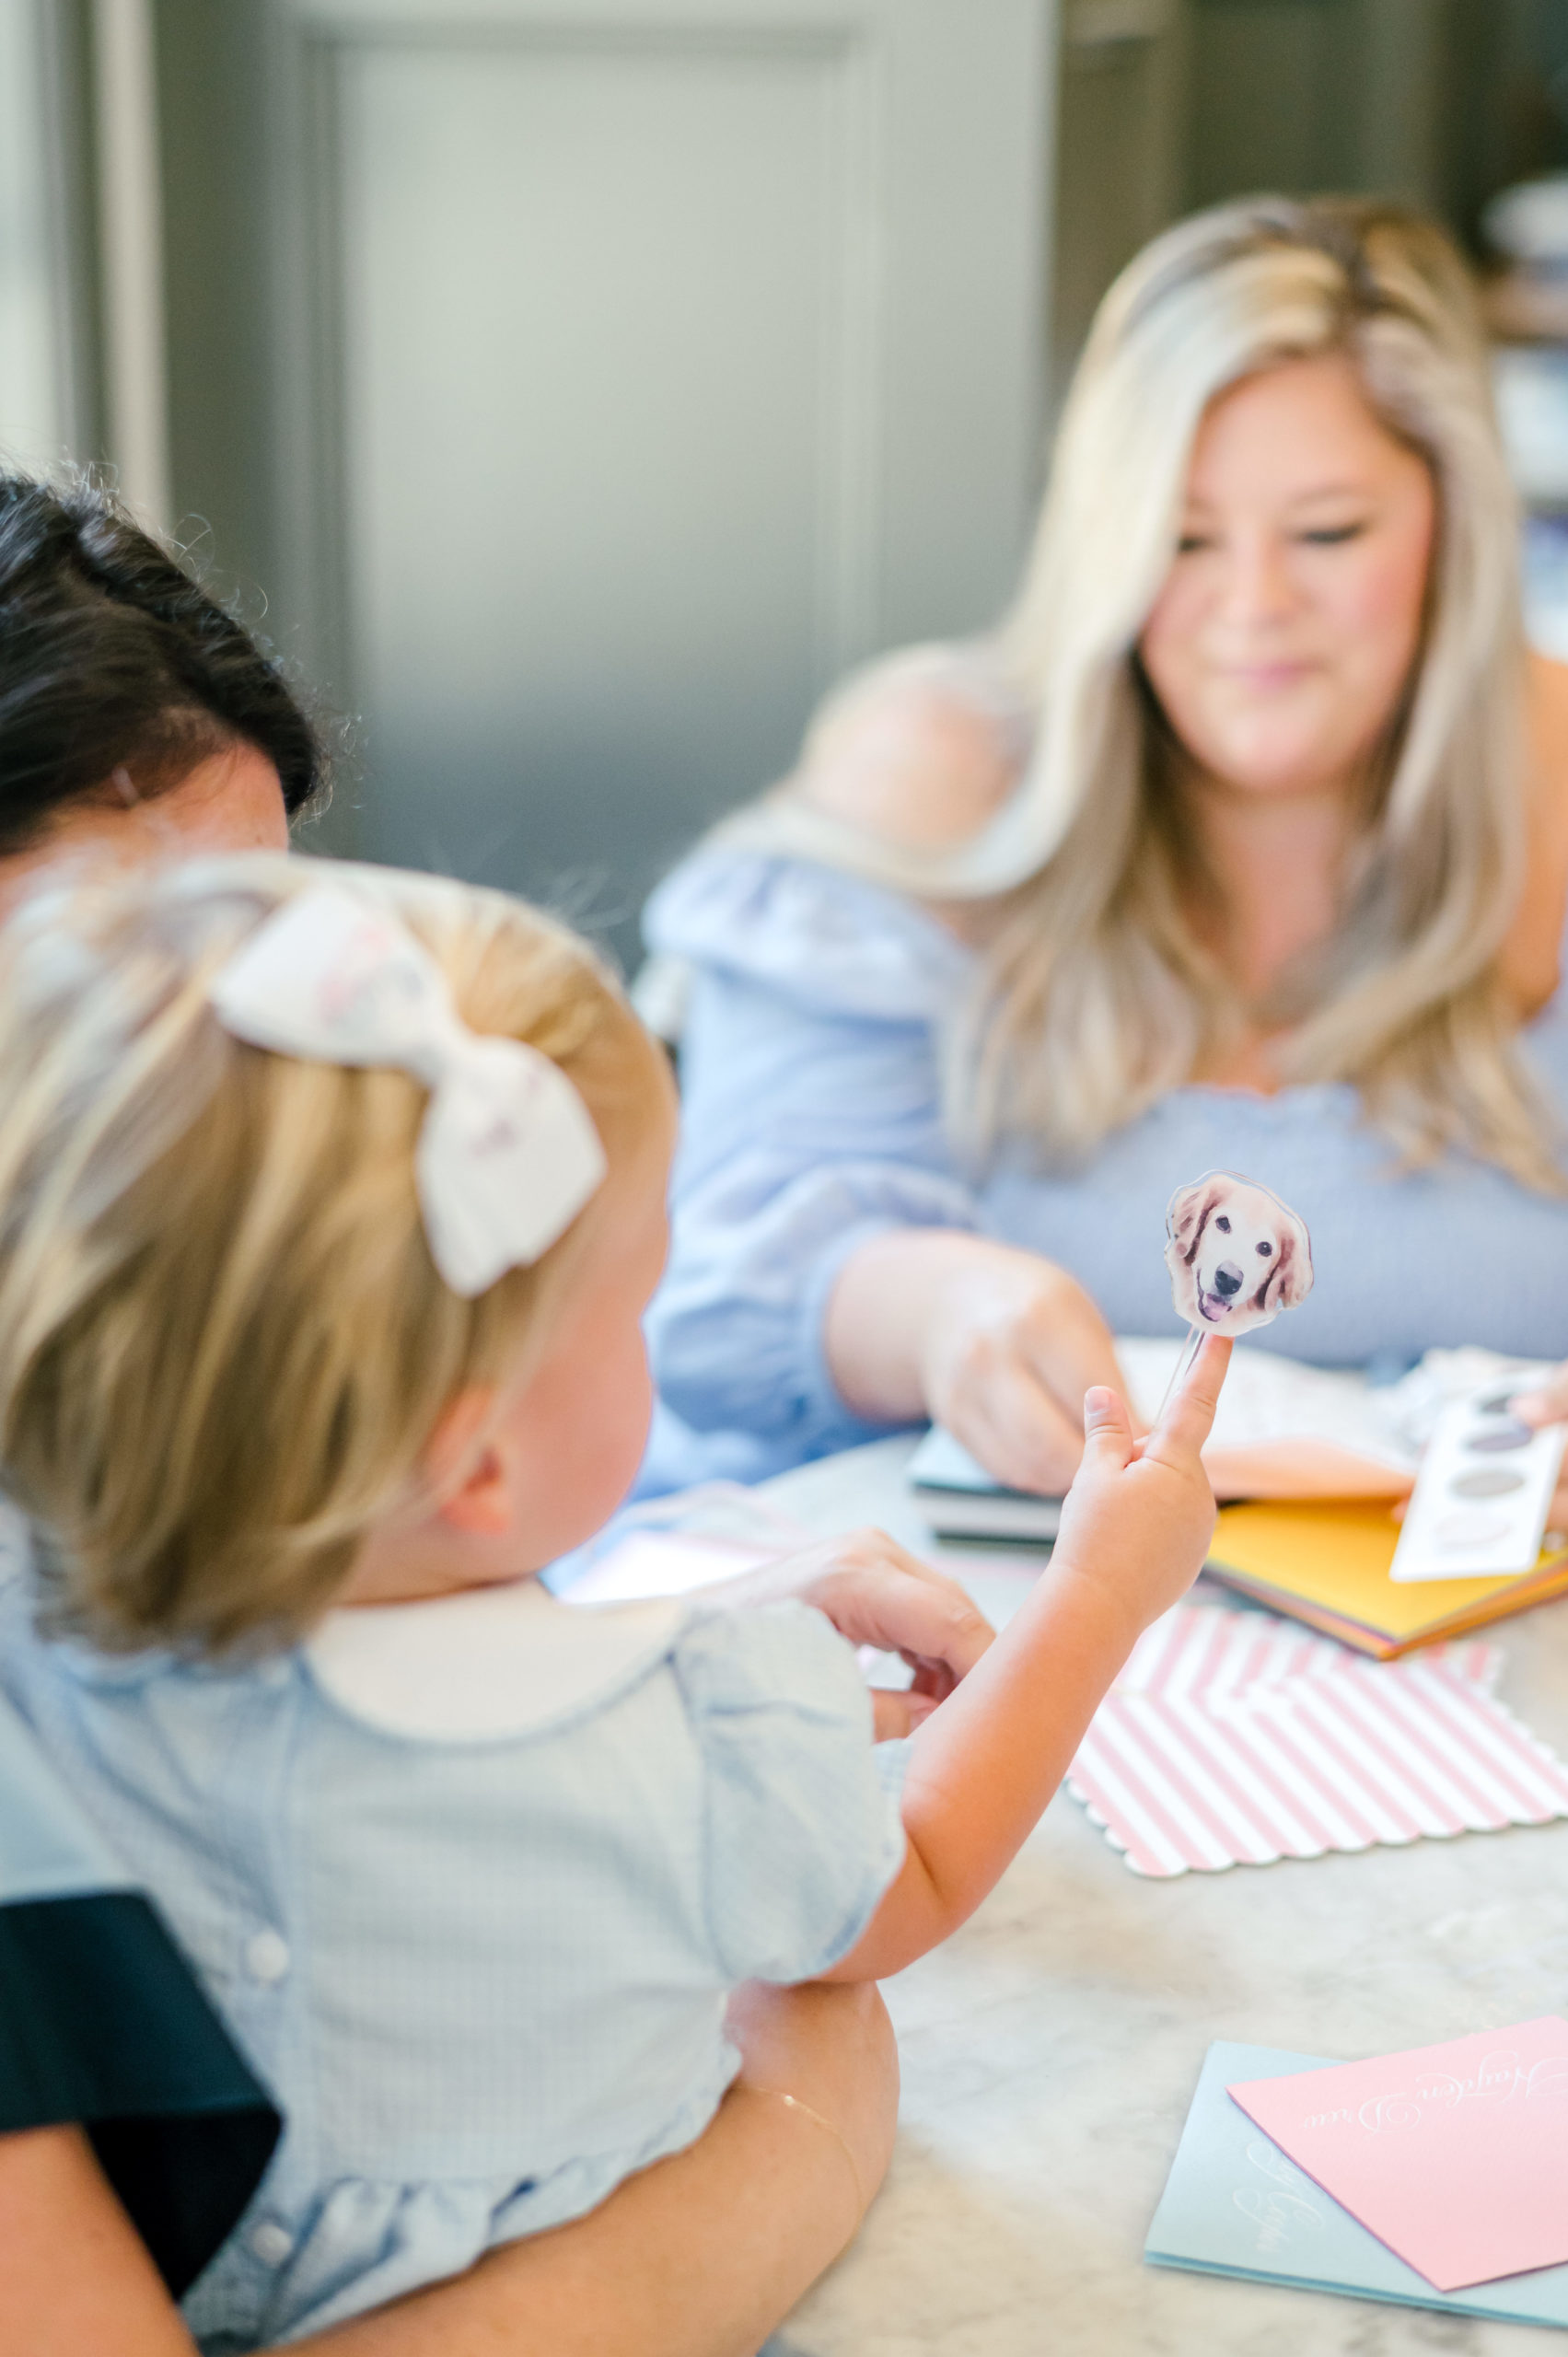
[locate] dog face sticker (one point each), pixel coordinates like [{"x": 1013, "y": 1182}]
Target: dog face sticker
[{"x": 1236, "y": 1255}]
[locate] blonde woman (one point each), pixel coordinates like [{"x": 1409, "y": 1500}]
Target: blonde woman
[{"x": 1245, "y": 842}]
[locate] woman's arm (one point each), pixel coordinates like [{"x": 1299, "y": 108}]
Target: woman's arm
[
  {"x": 997, "y": 1343},
  {"x": 826, "y": 1282},
  {"x": 75, "y": 2276},
  {"x": 1135, "y": 1532},
  {"x": 700, "y": 2256},
  {"x": 703, "y": 2253},
  {"x": 810, "y": 1123}
]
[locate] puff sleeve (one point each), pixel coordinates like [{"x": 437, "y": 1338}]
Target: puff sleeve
[
  {"x": 810, "y": 1123},
  {"x": 801, "y": 1834}
]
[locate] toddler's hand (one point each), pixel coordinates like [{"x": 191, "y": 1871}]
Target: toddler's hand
[
  {"x": 1139, "y": 1518},
  {"x": 876, "y": 1593}
]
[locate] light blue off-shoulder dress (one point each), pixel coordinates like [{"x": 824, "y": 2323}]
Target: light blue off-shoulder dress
[
  {"x": 811, "y": 1122},
  {"x": 469, "y": 1883}
]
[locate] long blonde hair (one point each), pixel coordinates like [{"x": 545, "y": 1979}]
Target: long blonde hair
[
  {"x": 1097, "y": 998},
  {"x": 223, "y": 1344}
]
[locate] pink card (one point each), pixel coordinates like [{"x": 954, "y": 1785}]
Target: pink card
[{"x": 1456, "y": 2155}]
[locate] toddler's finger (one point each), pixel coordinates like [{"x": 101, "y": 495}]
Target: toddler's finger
[
  {"x": 894, "y": 1714},
  {"x": 930, "y": 1618},
  {"x": 1191, "y": 1414},
  {"x": 933, "y": 1678},
  {"x": 1108, "y": 1428}
]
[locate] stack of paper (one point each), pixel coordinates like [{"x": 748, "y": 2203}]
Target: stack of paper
[
  {"x": 1233, "y": 1738},
  {"x": 957, "y": 1498},
  {"x": 1432, "y": 2179}
]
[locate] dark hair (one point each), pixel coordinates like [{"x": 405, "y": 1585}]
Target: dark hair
[{"x": 112, "y": 658}]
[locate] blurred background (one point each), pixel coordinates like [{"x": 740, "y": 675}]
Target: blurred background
[{"x": 579, "y": 386}]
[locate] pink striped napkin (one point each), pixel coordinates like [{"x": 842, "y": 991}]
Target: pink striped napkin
[{"x": 1237, "y": 1738}]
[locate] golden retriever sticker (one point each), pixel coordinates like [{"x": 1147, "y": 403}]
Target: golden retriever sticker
[{"x": 1236, "y": 1255}]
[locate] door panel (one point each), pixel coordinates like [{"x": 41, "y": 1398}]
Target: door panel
[
  {"x": 639, "y": 369},
  {"x": 603, "y": 413},
  {"x": 1118, "y": 154}
]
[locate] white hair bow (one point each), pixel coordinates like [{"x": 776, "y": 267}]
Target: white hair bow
[{"x": 507, "y": 1153}]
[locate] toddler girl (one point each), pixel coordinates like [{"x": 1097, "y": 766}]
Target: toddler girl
[{"x": 330, "y": 1202}]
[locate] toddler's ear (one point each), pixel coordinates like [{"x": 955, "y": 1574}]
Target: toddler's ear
[{"x": 469, "y": 1469}]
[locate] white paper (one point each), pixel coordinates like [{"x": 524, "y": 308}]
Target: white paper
[
  {"x": 943, "y": 1463},
  {"x": 1268, "y": 1400}
]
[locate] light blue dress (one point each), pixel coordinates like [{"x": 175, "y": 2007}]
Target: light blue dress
[
  {"x": 811, "y": 1122},
  {"x": 470, "y": 1882}
]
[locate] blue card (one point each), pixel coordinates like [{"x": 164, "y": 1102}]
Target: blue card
[{"x": 1235, "y": 2205}]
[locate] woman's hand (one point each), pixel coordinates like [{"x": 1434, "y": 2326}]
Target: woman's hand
[
  {"x": 876, "y": 1593},
  {"x": 996, "y": 1344},
  {"x": 1012, "y": 1346},
  {"x": 73, "y": 2276},
  {"x": 700, "y": 2255},
  {"x": 1548, "y": 1404}
]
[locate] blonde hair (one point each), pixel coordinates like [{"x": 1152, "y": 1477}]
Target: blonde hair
[
  {"x": 1097, "y": 998},
  {"x": 223, "y": 1344}
]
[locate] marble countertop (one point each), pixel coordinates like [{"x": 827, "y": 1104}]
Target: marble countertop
[{"x": 1050, "y": 2049}]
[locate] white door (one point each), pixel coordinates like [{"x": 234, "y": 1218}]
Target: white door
[{"x": 644, "y": 363}]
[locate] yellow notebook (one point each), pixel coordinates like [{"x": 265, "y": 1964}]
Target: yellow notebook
[{"x": 1328, "y": 1564}]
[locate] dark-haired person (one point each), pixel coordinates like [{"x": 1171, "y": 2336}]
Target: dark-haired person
[
  {"x": 134, "y": 710},
  {"x": 139, "y": 719}
]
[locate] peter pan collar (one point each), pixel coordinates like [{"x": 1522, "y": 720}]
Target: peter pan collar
[{"x": 491, "y": 1663}]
